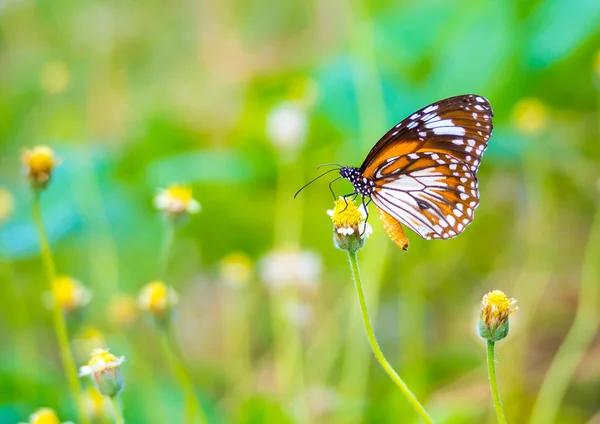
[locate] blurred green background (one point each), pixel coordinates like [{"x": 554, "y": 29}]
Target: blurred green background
[{"x": 242, "y": 100}]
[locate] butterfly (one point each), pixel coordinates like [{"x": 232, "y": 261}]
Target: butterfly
[{"x": 423, "y": 172}]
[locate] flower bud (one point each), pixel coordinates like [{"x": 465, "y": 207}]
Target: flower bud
[
  {"x": 177, "y": 201},
  {"x": 104, "y": 370},
  {"x": 158, "y": 298},
  {"x": 493, "y": 320},
  {"x": 349, "y": 227},
  {"x": 39, "y": 163},
  {"x": 69, "y": 293}
]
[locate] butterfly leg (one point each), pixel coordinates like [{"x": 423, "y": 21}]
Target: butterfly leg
[
  {"x": 331, "y": 188},
  {"x": 348, "y": 195},
  {"x": 365, "y": 205}
]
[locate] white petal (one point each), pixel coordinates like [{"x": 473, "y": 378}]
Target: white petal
[
  {"x": 192, "y": 206},
  {"x": 85, "y": 370}
]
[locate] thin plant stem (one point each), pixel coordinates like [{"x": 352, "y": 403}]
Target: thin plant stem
[
  {"x": 491, "y": 363},
  {"x": 182, "y": 373},
  {"x": 58, "y": 319},
  {"x": 579, "y": 338},
  {"x": 118, "y": 414},
  {"x": 166, "y": 247},
  {"x": 192, "y": 406},
  {"x": 353, "y": 257}
]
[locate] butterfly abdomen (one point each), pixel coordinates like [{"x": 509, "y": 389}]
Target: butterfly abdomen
[{"x": 362, "y": 185}]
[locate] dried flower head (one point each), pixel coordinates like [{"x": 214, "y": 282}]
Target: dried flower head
[
  {"x": 103, "y": 367},
  {"x": 69, "y": 293},
  {"x": 158, "y": 298},
  {"x": 39, "y": 163},
  {"x": 177, "y": 200},
  {"x": 44, "y": 416},
  {"x": 493, "y": 320},
  {"x": 349, "y": 227}
]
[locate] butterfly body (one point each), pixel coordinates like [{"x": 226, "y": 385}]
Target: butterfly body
[
  {"x": 362, "y": 185},
  {"x": 422, "y": 172}
]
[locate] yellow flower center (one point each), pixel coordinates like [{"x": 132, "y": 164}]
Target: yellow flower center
[
  {"x": 44, "y": 416},
  {"x": 102, "y": 357},
  {"x": 345, "y": 214},
  {"x": 66, "y": 292},
  {"x": 181, "y": 194},
  {"x": 157, "y": 295},
  {"x": 498, "y": 300},
  {"x": 40, "y": 159},
  {"x": 496, "y": 307}
]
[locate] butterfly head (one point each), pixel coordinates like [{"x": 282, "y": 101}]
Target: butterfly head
[{"x": 362, "y": 185}]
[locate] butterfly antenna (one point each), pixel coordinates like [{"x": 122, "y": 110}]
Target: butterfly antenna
[
  {"x": 313, "y": 180},
  {"x": 329, "y": 164}
]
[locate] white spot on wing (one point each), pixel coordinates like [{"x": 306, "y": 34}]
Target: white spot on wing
[{"x": 449, "y": 131}]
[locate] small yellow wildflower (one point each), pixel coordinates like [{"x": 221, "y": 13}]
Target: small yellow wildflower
[
  {"x": 103, "y": 367},
  {"x": 530, "y": 116},
  {"x": 44, "y": 416},
  {"x": 350, "y": 228},
  {"x": 70, "y": 294},
  {"x": 176, "y": 200},
  {"x": 96, "y": 405},
  {"x": 122, "y": 310},
  {"x": 39, "y": 163},
  {"x": 495, "y": 310},
  {"x": 236, "y": 269},
  {"x": 157, "y": 298}
]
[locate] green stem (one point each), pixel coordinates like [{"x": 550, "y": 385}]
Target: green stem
[
  {"x": 352, "y": 256},
  {"x": 58, "y": 319},
  {"x": 579, "y": 338},
  {"x": 118, "y": 414},
  {"x": 491, "y": 363},
  {"x": 192, "y": 406},
  {"x": 166, "y": 248}
]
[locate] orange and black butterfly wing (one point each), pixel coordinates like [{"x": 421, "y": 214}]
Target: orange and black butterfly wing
[{"x": 424, "y": 169}]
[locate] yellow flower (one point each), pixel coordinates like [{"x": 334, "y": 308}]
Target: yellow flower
[
  {"x": 176, "y": 200},
  {"x": 70, "y": 294},
  {"x": 96, "y": 405},
  {"x": 495, "y": 310},
  {"x": 122, "y": 310},
  {"x": 44, "y": 416},
  {"x": 350, "y": 228},
  {"x": 236, "y": 269},
  {"x": 39, "y": 163},
  {"x": 157, "y": 298},
  {"x": 530, "y": 116},
  {"x": 103, "y": 367}
]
